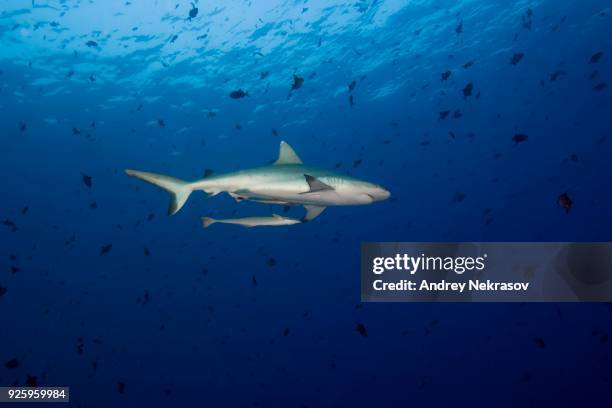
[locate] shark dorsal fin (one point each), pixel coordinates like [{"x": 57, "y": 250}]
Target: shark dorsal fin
[
  {"x": 278, "y": 217},
  {"x": 287, "y": 155}
]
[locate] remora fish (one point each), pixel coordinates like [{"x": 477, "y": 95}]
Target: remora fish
[
  {"x": 286, "y": 182},
  {"x": 273, "y": 221}
]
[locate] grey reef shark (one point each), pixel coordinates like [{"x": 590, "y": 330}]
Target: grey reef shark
[{"x": 287, "y": 181}]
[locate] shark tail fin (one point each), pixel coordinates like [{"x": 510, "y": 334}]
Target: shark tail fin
[
  {"x": 207, "y": 221},
  {"x": 179, "y": 190}
]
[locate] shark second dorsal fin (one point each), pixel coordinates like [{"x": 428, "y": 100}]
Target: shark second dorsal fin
[{"x": 287, "y": 155}]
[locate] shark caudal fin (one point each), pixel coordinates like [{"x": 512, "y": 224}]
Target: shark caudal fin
[
  {"x": 207, "y": 221},
  {"x": 179, "y": 190}
]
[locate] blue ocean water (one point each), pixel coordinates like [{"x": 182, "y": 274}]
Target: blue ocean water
[{"x": 476, "y": 115}]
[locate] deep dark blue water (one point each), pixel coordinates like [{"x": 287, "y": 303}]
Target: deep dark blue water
[{"x": 476, "y": 115}]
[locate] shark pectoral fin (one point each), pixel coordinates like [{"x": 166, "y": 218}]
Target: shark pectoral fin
[
  {"x": 287, "y": 155},
  {"x": 312, "y": 212},
  {"x": 315, "y": 184}
]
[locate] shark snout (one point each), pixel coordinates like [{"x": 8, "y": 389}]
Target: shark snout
[
  {"x": 379, "y": 193},
  {"x": 384, "y": 194}
]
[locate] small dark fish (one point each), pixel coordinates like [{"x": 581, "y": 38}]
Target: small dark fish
[
  {"x": 264, "y": 74},
  {"x": 452, "y": 134},
  {"x": 468, "y": 64},
  {"x": 76, "y": 131},
  {"x": 161, "y": 123},
  {"x": 70, "y": 74},
  {"x": 106, "y": 249},
  {"x": 595, "y": 57},
  {"x": 8, "y": 223},
  {"x": 351, "y": 101},
  {"x": 565, "y": 202},
  {"x": 593, "y": 74},
  {"x": 600, "y": 86},
  {"x": 91, "y": 43},
  {"x": 92, "y": 78},
  {"x": 467, "y": 91},
  {"x": 22, "y": 126},
  {"x": 458, "y": 197},
  {"x": 352, "y": 85},
  {"x": 445, "y": 75},
  {"x": 12, "y": 363},
  {"x": 139, "y": 108},
  {"x": 24, "y": 210},
  {"x": 238, "y": 94},
  {"x": 555, "y": 75},
  {"x": 147, "y": 252},
  {"x": 254, "y": 280},
  {"x": 459, "y": 28},
  {"x": 519, "y": 138},
  {"x": 286, "y": 332},
  {"x": 238, "y": 126},
  {"x": 338, "y": 165},
  {"x": 457, "y": 114},
  {"x": 193, "y": 12},
  {"x": 208, "y": 172},
  {"x": 274, "y": 132},
  {"x": 174, "y": 38},
  {"x": 360, "y": 328},
  {"x": 271, "y": 262},
  {"x": 297, "y": 82},
  {"x": 516, "y": 58},
  {"x": 443, "y": 114},
  {"x": 80, "y": 346},
  {"x": 121, "y": 387},
  {"x": 357, "y": 162},
  {"x": 539, "y": 342},
  {"x": 2, "y": 290},
  {"x": 86, "y": 179}
]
